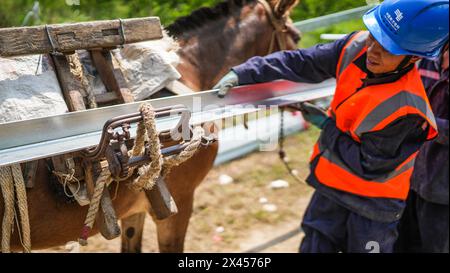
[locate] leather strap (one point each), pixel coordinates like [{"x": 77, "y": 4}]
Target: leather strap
[{"x": 279, "y": 25}]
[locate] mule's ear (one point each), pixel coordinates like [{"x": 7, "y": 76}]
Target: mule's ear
[{"x": 282, "y": 7}]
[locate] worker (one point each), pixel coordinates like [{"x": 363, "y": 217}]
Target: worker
[
  {"x": 378, "y": 119},
  {"x": 424, "y": 224}
]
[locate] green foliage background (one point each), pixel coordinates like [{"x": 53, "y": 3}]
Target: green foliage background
[{"x": 13, "y": 12}]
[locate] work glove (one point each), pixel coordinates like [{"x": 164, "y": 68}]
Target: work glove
[
  {"x": 314, "y": 114},
  {"x": 229, "y": 81}
]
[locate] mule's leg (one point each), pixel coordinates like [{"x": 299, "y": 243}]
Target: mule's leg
[
  {"x": 132, "y": 229},
  {"x": 181, "y": 182},
  {"x": 172, "y": 231}
]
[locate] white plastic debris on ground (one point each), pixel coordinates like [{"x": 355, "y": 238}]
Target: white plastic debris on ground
[
  {"x": 279, "y": 184},
  {"x": 147, "y": 66},
  {"x": 270, "y": 207},
  {"x": 29, "y": 89},
  {"x": 225, "y": 179},
  {"x": 220, "y": 229}
]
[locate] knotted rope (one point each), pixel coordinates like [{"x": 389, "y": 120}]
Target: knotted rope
[
  {"x": 86, "y": 80},
  {"x": 147, "y": 174},
  {"x": 13, "y": 186},
  {"x": 66, "y": 179},
  {"x": 147, "y": 129},
  {"x": 188, "y": 152},
  {"x": 158, "y": 166}
]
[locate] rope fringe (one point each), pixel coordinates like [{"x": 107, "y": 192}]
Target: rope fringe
[{"x": 13, "y": 186}]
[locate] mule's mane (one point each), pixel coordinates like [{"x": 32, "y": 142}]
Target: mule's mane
[{"x": 205, "y": 15}]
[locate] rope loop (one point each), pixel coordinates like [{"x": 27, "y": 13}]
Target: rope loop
[{"x": 69, "y": 178}]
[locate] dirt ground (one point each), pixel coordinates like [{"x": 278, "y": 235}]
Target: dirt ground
[{"x": 234, "y": 217}]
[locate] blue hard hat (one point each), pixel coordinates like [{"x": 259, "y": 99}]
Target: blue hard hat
[{"x": 410, "y": 27}]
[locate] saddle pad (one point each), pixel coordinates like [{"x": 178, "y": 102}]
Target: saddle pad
[
  {"x": 29, "y": 89},
  {"x": 147, "y": 67}
]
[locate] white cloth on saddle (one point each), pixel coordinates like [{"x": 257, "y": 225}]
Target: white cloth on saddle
[
  {"x": 147, "y": 67},
  {"x": 29, "y": 89}
]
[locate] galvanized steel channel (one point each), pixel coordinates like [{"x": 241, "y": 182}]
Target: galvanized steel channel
[{"x": 43, "y": 137}]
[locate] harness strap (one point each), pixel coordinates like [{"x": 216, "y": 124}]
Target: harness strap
[
  {"x": 404, "y": 62},
  {"x": 279, "y": 25}
]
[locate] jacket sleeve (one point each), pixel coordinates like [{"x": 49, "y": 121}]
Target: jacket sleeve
[
  {"x": 442, "y": 125},
  {"x": 310, "y": 65},
  {"x": 378, "y": 152}
]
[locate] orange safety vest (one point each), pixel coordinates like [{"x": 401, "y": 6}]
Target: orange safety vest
[{"x": 372, "y": 108}]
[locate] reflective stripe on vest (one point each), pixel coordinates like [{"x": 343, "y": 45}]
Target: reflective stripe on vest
[
  {"x": 358, "y": 110},
  {"x": 393, "y": 185},
  {"x": 387, "y": 108},
  {"x": 351, "y": 50}
]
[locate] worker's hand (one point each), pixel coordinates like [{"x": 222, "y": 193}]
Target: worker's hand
[
  {"x": 229, "y": 81},
  {"x": 314, "y": 114}
]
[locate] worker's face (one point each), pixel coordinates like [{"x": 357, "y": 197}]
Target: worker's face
[{"x": 379, "y": 60}]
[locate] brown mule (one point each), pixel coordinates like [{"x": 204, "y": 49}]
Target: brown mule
[{"x": 212, "y": 41}]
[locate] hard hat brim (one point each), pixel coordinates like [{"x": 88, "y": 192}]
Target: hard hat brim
[{"x": 379, "y": 34}]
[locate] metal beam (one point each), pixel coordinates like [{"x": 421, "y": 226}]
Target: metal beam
[
  {"x": 43, "y": 137},
  {"x": 326, "y": 20},
  {"x": 332, "y": 36},
  {"x": 262, "y": 133}
]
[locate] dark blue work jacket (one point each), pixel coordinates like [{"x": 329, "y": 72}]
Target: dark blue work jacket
[{"x": 383, "y": 150}]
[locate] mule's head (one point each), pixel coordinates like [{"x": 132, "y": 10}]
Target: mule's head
[{"x": 214, "y": 39}]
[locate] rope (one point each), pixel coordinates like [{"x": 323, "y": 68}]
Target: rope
[
  {"x": 65, "y": 179},
  {"x": 282, "y": 152},
  {"x": 158, "y": 166},
  {"x": 8, "y": 212},
  {"x": 22, "y": 204},
  {"x": 146, "y": 130},
  {"x": 187, "y": 153},
  {"x": 12, "y": 184},
  {"x": 79, "y": 71},
  {"x": 94, "y": 206},
  {"x": 149, "y": 172}
]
